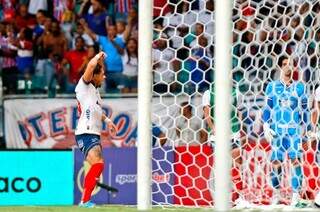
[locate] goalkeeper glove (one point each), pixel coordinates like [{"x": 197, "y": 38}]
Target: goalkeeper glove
[{"x": 268, "y": 132}]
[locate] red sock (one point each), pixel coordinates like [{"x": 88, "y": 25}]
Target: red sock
[{"x": 90, "y": 180}]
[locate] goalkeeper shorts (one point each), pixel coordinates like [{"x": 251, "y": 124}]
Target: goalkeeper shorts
[{"x": 86, "y": 142}]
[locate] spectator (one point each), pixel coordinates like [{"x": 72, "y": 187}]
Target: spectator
[
  {"x": 133, "y": 20},
  {"x": 24, "y": 58},
  {"x": 54, "y": 40},
  {"x": 121, "y": 26},
  {"x": 113, "y": 45},
  {"x": 8, "y": 11},
  {"x": 23, "y": 19},
  {"x": 98, "y": 20},
  {"x": 189, "y": 127},
  {"x": 75, "y": 59},
  {"x": 206, "y": 17},
  {"x": 67, "y": 19},
  {"x": 130, "y": 66},
  {"x": 162, "y": 55},
  {"x": 92, "y": 51},
  {"x": 197, "y": 34},
  {"x": 80, "y": 32},
  {"x": 39, "y": 28},
  {"x": 8, "y": 66}
]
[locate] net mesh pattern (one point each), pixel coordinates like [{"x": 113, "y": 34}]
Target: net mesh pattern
[{"x": 265, "y": 33}]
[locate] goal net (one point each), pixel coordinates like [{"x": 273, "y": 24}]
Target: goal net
[{"x": 264, "y": 32}]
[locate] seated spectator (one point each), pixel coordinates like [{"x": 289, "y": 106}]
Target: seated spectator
[
  {"x": 113, "y": 45},
  {"x": 23, "y": 19},
  {"x": 98, "y": 20},
  {"x": 80, "y": 32},
  {"x": 75, "y": 59},
  {"x": 130, "y": 66}
]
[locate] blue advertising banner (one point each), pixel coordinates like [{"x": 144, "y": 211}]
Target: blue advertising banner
[
  {"x": 36, "y": 178},
  {"x": 121, "y": 172}
]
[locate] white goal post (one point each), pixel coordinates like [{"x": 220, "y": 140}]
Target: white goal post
[
  {"x": 222, "y": 110},
  {"x": 223, "y": 88},
  {"x": 144, "y": 105}
]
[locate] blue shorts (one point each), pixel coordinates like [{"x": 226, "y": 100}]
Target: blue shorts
[
  {"x": 85, "y": 142},
  {"x": 283, "y": 145}
]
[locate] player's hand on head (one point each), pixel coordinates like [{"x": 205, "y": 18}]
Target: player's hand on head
[{"x": 101, "y": 55}]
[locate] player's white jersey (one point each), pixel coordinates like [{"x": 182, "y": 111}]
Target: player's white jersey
[{"x": 89, "y": 106}]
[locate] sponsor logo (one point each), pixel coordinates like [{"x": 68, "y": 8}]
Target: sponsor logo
[
  {"x": 19, "y": 184},
  {"x": 126, "y": 178},
  {"x": 88, "y": 113},
  {"x": 132, "y": 178}
]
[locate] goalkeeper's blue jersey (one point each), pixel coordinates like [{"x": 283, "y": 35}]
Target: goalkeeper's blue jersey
[{"x": 287, "y": 107}]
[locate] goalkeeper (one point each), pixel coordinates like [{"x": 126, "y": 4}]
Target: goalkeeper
[{"x": 285, "y": 118}]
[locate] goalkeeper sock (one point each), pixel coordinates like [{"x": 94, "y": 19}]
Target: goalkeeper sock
[
  {"x": 91, "y": 180},
  {"x": 296, "y": 178},
  {"x": 276, "y": 176}
]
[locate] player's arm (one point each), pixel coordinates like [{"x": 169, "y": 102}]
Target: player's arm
[
  {"x": 315, "y": 113},
  {"x": 266, "y": 114},
  {"x": 162, "y": 139},
  {"x": 207, "y": 111},
  {"x": 306, "y": 113},
  {"x": 88, "y": 73},
  {"x": 111, "y": 126},
  {"x": 208, "y": 118}
]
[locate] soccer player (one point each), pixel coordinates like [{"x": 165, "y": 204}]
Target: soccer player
[
  {"x": 285, "y": 118},
  {"x": 90, "y": 123},
  {"x": 208, "y": 102}
]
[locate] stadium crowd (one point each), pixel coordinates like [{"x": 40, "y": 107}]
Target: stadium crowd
[{"x": 46, "y": 44}]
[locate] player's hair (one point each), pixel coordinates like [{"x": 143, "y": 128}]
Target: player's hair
[
  {"x": 281, "y": 59},
  {"x": 186, "y": 105},
  {"x": 97, "y": 69}
]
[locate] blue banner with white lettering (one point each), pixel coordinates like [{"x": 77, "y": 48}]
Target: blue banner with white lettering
[{"x": 121, "y": 172}]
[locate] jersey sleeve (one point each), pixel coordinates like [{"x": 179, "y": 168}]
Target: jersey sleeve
[
  {"x": 206, "y": 98},
  {"x": 81, "y": 87},
  {"x": 269, "y": 103},
  {"x": 300, "y": 89}
]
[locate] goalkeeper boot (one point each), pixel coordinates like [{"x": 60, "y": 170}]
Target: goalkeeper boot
[
  {"x": 241, "y": 203},
  {"x": 297, "y": 202},
  {"x": 276, "y": 197},
  {"x": 88, "y": 204}
]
